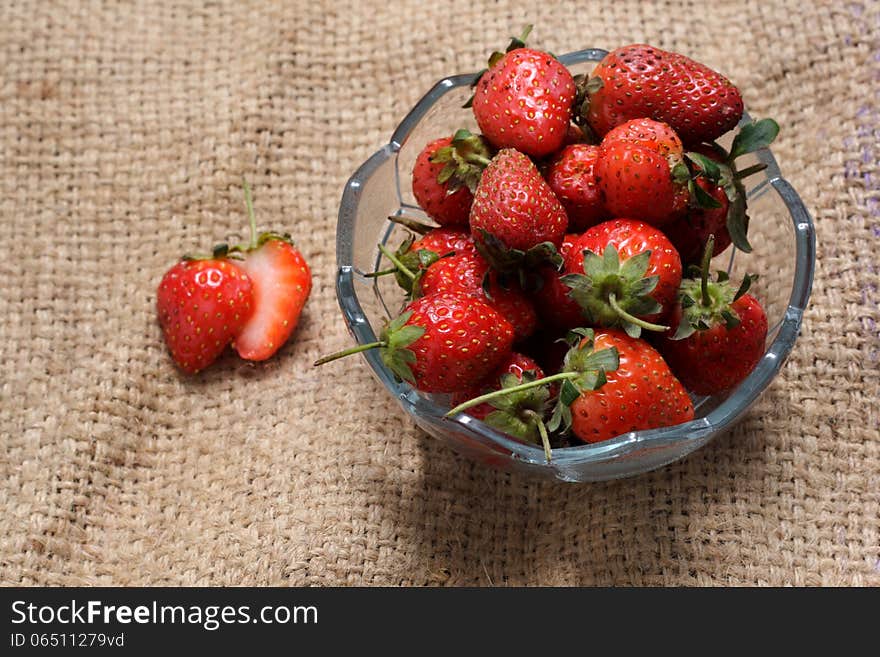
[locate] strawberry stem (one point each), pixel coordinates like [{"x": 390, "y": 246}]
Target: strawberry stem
[
  {"x": 412, "y": 224},
  {"x": 748, "y": 171},
  {"x": 384, "y": 272},
  {"x": 352, "y": 350},
  {"x": 249, "y": 202},
  {"x": 402, "y": 268},
  {"x": 704, "y": 271},
  {"x": 542, "y": 429},
  {"x": 476, "y": 401},
  {"x": 632, "y": 319}
]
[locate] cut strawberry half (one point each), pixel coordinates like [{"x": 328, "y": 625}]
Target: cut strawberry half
[{"x": 281, "y": 282}]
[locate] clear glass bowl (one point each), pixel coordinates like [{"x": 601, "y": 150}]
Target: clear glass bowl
[{"x": 781, "y": 232}]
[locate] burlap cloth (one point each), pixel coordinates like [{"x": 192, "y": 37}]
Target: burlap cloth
[{"x": 124, "y": 133}]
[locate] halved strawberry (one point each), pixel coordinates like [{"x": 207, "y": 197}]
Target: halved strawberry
[
  {"x": 202, "y": 305},
  {"x": 281, "y": 282}
]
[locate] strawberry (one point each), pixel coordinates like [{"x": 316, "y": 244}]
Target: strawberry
[
  {"x": 468, "y": 273},
  {"x": 690, "y": 232},
  {"x": 515, "y": 218},
  {"x": 414, "y": 256},
  {"x": 281, "y": 281},
  {"x": 640, "y": 393},
  {"x": 553, "y": 299},
  {"x": 444, "y": 241},
  {"x": 572, "y": 177},
  {"x": 446, "y": 174},
  {"x": 717, "y": 334},
  {"x": 442, "y": 343},
  {"x": 632, "y": 293},
  {"x": 524, "y": 100},
  {"x": 202, "y": 305},
  {"x": 641, "y": 173},
  {"x": 516, "y": 364},
  {"x": 718, "y": 197},
  {"x": 643, "y": 81},
  {"x": 654, "y": 134}
]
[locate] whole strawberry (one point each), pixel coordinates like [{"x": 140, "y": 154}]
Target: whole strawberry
[
  {"x": 643, "y": 81},
  {"x": 718, "y": 203},
  {"x": 202, "y": 306},
  {"x": 717, "y": 334},
  {"x": 641, "y": 172},
  {"x": 444, "y": 241},
  {"x": 640, "y": 393},
  {"x": 445, "y": 175},
  {"x": 469, "y": 273},
  {"x": 442, "y": 343},
  {"x": 515, "y": 218},
  {"x": 524, "y": 100},
  {"x": 516, "y": 364},
  {"x": 553, "y": 302},
  {"x": 572, "y": 177},
  {"x": 623, "y": 273},
  {"x": 690, "y": 232},
  {"x": 414, "y": 256}
]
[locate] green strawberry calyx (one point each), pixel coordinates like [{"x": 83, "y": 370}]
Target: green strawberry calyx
[
  {"x": 464, "y": 160},
  {"x": 614, "y": 293},
  {"x": 516, "y": 263},
  {"x": 585, "y": 86},
  {"x": 583, "y": 371},
  {"x": 392, "y": 345},
  {"x": 521, "y": 413},
  {"x": 706, "y": 304}
]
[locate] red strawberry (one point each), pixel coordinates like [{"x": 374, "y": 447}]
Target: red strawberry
[
  {"x": 571, "y": 175},
  {"x": 690, "y": 232},
  {"x": 641, "y": 393},
  {"x": 553, "y": 299},
  {"x": 574, "y": 135},
  {"x": 717, "y": 335},
  {"x": 282, "y": 283},
  {"x": 446, "y": 173},
  {"x": 647, "y": 132},
  {"x": 414, "y": 256},
  {"x": 642, "y": 81},
  {"x": 623, "y": 273},
  {"x": 718, "y": 196},
  {"x": 641, "y": 173},
  {"x": 514, "y": 211},
  {"x": 444, "y": 241},
  {"x": 203, "y": 305},
  {"x": 524, "y": 100},
  {"x": 516, "y": 364},
  {"x": 442, "y": 343},
  {"x": 466, "y": 273}
]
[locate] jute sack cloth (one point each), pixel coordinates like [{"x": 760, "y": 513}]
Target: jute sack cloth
[{"x": 124, "y": 134}]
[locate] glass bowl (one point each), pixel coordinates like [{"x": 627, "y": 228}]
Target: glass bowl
[{"x": 781, "y": 232}]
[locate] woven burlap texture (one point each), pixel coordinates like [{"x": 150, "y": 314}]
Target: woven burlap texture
[{"x": 125, "y": 131}]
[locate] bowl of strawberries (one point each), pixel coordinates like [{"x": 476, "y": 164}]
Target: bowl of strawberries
[{"x": 583, "y": 267}]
